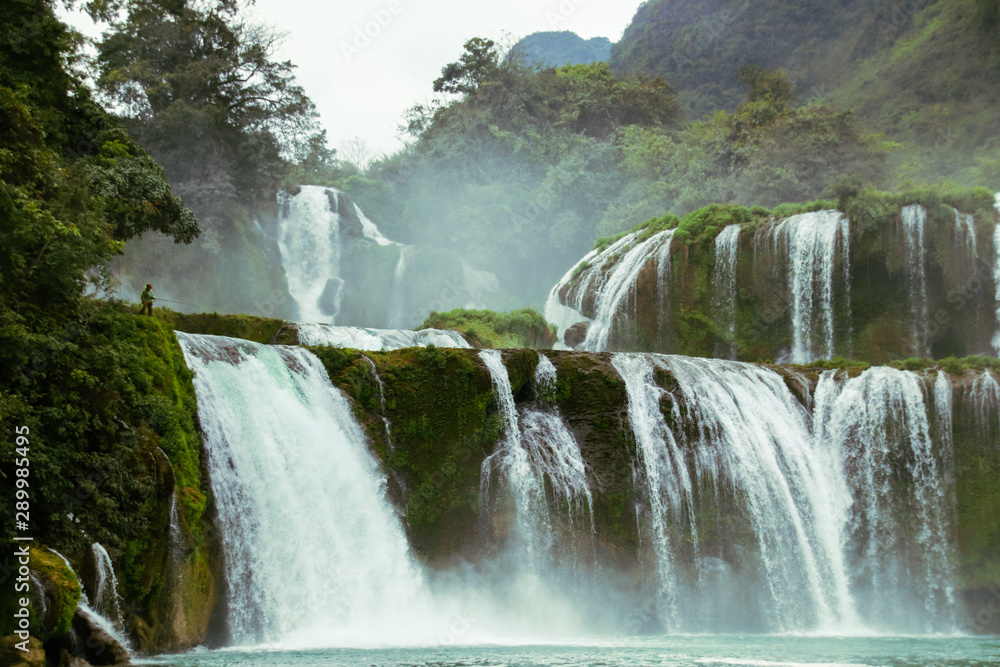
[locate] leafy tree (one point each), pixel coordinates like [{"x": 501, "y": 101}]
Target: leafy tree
[
  {"x": 73, "y": 184},
  {"x": 205, "y": 96},
  {"x": 479, "y": 63}
]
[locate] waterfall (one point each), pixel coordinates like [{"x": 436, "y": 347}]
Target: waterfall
[
  {"x": 814, "y": 241},
  {"x": 314, "y": 554},
  {"x": 109, "y": 626},
  {"x": 369, "y": 229},
  {"x": 376, "y": 340},
  {"x": 996, "y": 273},
  {"x": 899, "y": 524},
  {"x": 397, "y": 318},
  {"x": 665, "y": 474},
  {"x": 727, "y": 246},
  {"x": 847, "y": 501},
  {"x": 914, "y": 219},
  {"x": 984, "y": 397},
  {"x": 381, "y": 398},
  {"x": 965, "y": 236},
  {"x": 537, "y": 452},
  {"x": 553, "y": 451},
  {"x": 310, "y": 245},
  {"x": 620, "y": 285},
  {"x": 564, "y": 316},
  {"x": 106, "y": 602}
]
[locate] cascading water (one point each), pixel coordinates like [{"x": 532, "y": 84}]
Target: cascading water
[
  {"x": 914, "y": 219},
  {"x": 381, "y": 398},
  {"x": 620, "y": 286},
  {"x": 310, "y": 245},
  {"x": 553, "y": 451},
  {"x": 814, "y": 241},
  {"x": 564, "y": 316},
  {"x": 111, "y": 627},
  {"x": 314, "y": 554},
  {"x": 537, "y": 451},
  {"x": 397, "y": 317},
  {"x": 106, "y": 602},
  {"x": 996, "y": 273},
  {"x": 847, "y": 504},
  {"x": 965, "y": 236},
  {"x": 727, "y": 246},
  {"x": 984, "y": 400},
  {"x": 376, "y": 340},
  {"x": 666, "y": 477},
  {"x": 898, "y": 527}
]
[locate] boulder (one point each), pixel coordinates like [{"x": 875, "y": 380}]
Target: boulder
[
  {"x": 576, "y": 334},
  {"x": 15, "y": 657},
  {"x": 99, "y": 647}
]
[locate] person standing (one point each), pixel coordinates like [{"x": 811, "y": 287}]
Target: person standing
[{"x": 147, "y": 301}]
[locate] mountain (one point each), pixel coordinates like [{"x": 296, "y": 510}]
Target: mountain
[
  {"x": 923, "y": 72},
  {"x": 555, "y": 49}
]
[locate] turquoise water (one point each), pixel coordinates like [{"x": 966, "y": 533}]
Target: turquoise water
[{"x": 724, "y": 650}]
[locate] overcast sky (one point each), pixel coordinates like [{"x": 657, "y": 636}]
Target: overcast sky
[{"x": 364, "y": 62}]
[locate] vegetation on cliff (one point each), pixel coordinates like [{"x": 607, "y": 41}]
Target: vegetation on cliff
[{"x": 489, "y": 329}]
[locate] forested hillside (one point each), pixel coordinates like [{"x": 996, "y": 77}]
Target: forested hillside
[{"x": 923, "y": 72}]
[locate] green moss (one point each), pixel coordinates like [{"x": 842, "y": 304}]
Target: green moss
[
  {"x": 490, "y": 329},
  {"x": 952, "y": 365},
  {"x": 444, "y": 421},
  {"x": 258, "y": 329}
]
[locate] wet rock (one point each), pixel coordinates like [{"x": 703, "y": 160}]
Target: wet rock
[
  {"x": 99, "y": 647},
  {"x": 576, "y": 334}
]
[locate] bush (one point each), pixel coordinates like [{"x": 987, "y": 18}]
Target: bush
[{"x": 490, "y": 329}]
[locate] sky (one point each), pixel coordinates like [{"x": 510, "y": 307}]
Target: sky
[{"x": 364, "y": 62}]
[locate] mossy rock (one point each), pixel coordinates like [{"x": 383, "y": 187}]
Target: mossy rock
[
  {"x": 61, "y": 590},
  {"x": 258, "y": 329}
]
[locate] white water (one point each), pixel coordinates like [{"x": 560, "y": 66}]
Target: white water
[
  {"x": 369, "y": 229},
  {"x": 83, "y": 606},
  {"x": 727, "y": 247},
  {"x": 314, "y": 554},
  {"x": 814, "y": 243},
  {"x": 897, "y": 528},
  {"x": 375, "y": 340},
  {"x": 381, "y": 398},
  {"x": 666, "y": 477},
  {"x": 537, "y": 465},
  {"x": 309, "y": 241},
  {"x": 914, "y": 219},
  {"x": 106, "y": 599},
  {"x": 965, "y": 236},
  {"x": 984, "y": 396},
  {"x": 615, "y": 302},
  {"x": 563, "y": 316},
  {"x": 840, "y": 549},
  {"x": 397, "y": 316},
  {"x": 996, "y": 273}
]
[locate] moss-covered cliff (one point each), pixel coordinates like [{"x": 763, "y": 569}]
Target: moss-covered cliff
[{"x": 872, "y": 291}]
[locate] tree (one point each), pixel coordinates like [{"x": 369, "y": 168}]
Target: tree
[
  {"x": 201, "y": 89},
  {"x": 479, "y": 63},
  {"x": 73, "y": 184}
]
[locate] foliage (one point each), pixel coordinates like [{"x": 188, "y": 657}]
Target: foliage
[
  {"x": 201, "y": 90},
  {"x": 73, "y": 184},
  {"x": 489, "y": 329},
  {"x": 102, "y": 392},
  {"x": 953, "y": 365},
  {"x": 920, "y": 72},
  {"x": 515, "y": 174}
]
